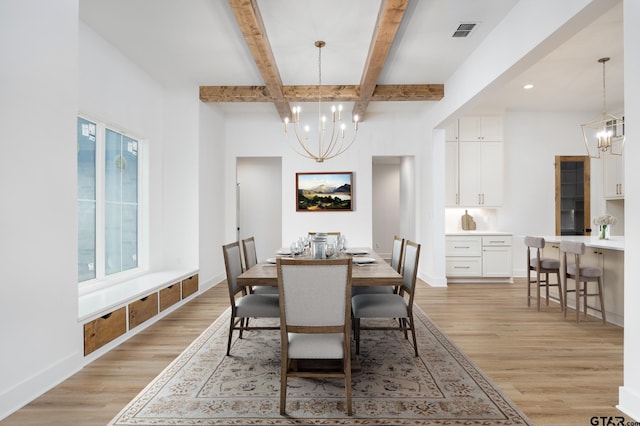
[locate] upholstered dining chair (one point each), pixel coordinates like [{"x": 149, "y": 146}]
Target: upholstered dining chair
[
  {"x": 397, "y": 250},
  {"x": 315, "y": 320},
  {"x": 582, "y": 275},
  {"x": 244, "y": 305},
  {"x": 399, "y": 306},
  {"x": 542, "y": 266},
  {"x": 250, "y": 260}
]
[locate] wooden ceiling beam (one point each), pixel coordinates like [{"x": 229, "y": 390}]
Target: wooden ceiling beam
[
  {"x": 250, "y": 21},
  {"x": 392, "y": 92},
  {"x": 389, "y": 19}
]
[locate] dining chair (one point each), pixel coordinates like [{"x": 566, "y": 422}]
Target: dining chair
[
  {"x": 541, "y": 265},
  {"x": 250, "y": 260},
  {"x": 398, "y": 305},
  {"x": 315, "y": 320},
  {"x": 397, "y": 250},
  {"x": 582, "y": 275},
  {"x": 244, "y": 305}
]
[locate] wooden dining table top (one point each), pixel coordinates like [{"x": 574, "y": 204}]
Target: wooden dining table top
[{"x": 377, "y": 272}]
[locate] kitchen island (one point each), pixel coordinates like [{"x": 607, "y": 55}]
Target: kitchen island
[{"x": 608, "y": 255}]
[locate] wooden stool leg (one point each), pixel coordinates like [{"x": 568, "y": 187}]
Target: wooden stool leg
[
  {"x": 578, "y": 296},
  {"x": 538, "y": 287},
  {"x": 601, "y": 292},
  {"x": 546, "y": 282},
  {"x": 560, "y": 296},
  {"x": 529, "y": 286}
]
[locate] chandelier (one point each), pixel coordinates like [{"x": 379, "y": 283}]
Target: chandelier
[
  {"x": 602, "y": 134},
  {"x": 331, "y": 136}
]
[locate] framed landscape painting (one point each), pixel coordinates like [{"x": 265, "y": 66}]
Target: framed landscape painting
[{"x": 324, "y": 192}]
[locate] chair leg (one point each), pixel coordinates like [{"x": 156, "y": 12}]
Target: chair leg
[
  {"x": 528, "y": 286},
  {"x": 538, "y": 288},
  {"x": 566, "y": 293},
  {"x": 356, "y": 334},
  {"x": 413, "y": 333},
  {"x": 562, "y": 306},
  {"x": 347, "y": 382},
  {"x": 546, "y": 277},
  {"x": 231, "y": 323},
  {"x": 283, "y": 385},
  {"x": 601, "y": 293}
]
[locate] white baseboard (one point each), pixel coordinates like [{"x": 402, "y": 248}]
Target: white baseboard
[
  {"x": 629, "y": 402},
  {"x": 38, "y": 383}
]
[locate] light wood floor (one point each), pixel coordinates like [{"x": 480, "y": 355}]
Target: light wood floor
[{"x": 557, "y": 372}]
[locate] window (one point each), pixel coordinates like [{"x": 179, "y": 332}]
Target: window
[{"x": 108, "y": 209}]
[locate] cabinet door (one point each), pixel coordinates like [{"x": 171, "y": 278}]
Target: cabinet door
[
  {"x": 496, "y": 262},
  {"x": 613, "y": 177},
  {"x": 451, "y": 174},
  {"x": 470, "y": 129},
  {"x": 451, "y": 132},
  {"x": 491, "y": 174},
  {"x": 480, "y": 174},
  {"x": 480, "y": 128},
  {"x": 491, "y": 128},
  {"x": 469, "y": 174}
]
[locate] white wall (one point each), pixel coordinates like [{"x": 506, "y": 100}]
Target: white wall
[
  {"x": 180, "y": 179},
  {"x": 630, "y": 392},
  {"x": 211, "y": 194},
  {"x": 261, "y": 135},
  {"x": 259, "y": 182},
  {"x": 39, "y": 328},
  {"x": 532, "y": 140},
  {"x": 385, "y": 206}
]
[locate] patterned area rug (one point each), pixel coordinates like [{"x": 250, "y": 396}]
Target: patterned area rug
[{"x": 393, "y": 387}]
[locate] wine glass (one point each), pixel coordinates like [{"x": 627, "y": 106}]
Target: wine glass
[
  {"x": 295, "y": 248},
  {"x": 330, "y": 250}
]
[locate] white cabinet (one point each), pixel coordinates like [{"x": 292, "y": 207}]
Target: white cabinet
[
  {"x": 474, "y": 162},
  {"x": 496, "y": 256},
  {"x": 479, "y": 257},
  {"x": 451, "y": 132},
  {"x": 451, "y": 174},
  {"x": 613, "y": 176},
  {"x": 480, "y": 128},
  {"x": 480, "y": 174},
  {"x": 463, "y": 256}
]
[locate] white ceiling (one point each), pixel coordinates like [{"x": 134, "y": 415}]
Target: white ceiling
[{"x": 198, "y": 42}]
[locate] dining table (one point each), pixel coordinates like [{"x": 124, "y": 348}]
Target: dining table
[{"x": 369, "y": 269}]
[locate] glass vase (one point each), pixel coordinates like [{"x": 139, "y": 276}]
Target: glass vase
[{"x": 605, "y": 232}]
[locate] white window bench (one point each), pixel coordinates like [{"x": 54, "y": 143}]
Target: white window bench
[{"x": 111, "y": 313}]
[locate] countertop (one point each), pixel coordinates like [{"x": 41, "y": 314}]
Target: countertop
[
  {"x": 479, "y": 233},
  {"x": 616, "y": 242}
]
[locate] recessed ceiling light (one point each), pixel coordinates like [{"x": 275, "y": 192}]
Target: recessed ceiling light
[{"x": 528, "y": 86}]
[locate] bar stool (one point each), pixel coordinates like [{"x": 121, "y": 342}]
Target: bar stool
[
  {"x": 541, "y": 265},
  {"x": 582, "y": 275}
]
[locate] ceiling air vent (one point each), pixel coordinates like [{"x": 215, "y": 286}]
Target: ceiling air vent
[{"x": 463, "y": 30}]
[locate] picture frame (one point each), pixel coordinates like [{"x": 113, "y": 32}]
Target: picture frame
[{"x": 324, "y": 191}]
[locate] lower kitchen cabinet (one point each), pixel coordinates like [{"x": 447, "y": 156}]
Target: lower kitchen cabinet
[{"x": 479, "y": 257}]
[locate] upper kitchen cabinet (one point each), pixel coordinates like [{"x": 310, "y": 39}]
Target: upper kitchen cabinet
[
  {"x": 613, "y": 176},
  {"x": 474, "y": 163},
  {"x": 451, "y": 132},
  {"x": 480, "y": 174},
  {"x": 487, "y": 128},
  {"x": 452, "y": 185}
]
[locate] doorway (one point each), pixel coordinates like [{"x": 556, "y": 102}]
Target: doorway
[
  {"x": 259, "y": 202},
  {"x": 573, "y": 195}
]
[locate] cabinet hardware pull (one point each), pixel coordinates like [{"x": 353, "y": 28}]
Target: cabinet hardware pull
[
  {"x": 461, "y": 267},
  {"x": 144, "y": 298},
  {"x": 106, "y": 316},
  {"x": 461, "y": 246}
]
